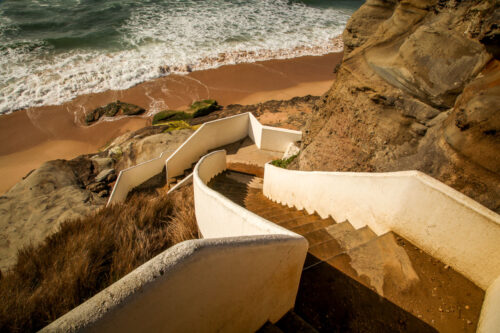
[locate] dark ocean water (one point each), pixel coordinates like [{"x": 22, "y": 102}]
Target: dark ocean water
[{"x": 53, "y": 50}]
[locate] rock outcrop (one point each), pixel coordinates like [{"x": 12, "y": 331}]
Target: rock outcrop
[
  {"x": 62, "y": 190},
  {"x": 112, "y": 110},
  {"x": 418, "y": 88}
]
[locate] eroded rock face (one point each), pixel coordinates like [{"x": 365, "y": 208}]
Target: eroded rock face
[
  {"x": 418, "y": 89},
  {"x": 35, "y": 206},
  {"x": 145, "y": 144},
  {"x": 422, "y": 67},
  {"x": 473, "y": 127},
  {"x": 61, "y": 190}
]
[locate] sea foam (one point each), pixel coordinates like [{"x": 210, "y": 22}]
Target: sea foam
[{"x": 158, "y": 40}]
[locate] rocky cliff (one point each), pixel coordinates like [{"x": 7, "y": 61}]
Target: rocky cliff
[{"x": 418, "y": 88}]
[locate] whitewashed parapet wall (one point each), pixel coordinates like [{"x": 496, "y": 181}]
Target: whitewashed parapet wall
[
  {"x": 244, "y": 273},
  {"x": 209, "y": 136},
  {"x": 442, "y": 221}
]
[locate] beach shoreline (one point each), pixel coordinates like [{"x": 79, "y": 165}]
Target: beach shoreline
[{"x": 33, "y": 136}]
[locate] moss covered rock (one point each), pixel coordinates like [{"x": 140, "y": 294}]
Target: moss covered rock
[
  {"x": 170, "y": 115},
  {"x": 204, "y": 107},
  {"x": 111, "y": 110}
]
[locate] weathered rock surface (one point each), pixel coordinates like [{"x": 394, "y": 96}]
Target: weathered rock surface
[
  {"x": 60, "y": 190},
  {"x": 111, "y": 110},
  {"x": 145, "y": 144},
  {"x": 418, "y": 89},
  {"x": 35, "y": 206},
  {"x": 290, "y": 114}
]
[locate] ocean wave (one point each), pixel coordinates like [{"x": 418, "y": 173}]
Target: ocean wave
[{"x": 163, "y": 37}]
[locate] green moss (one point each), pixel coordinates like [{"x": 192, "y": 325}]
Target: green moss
[
  {"x": 170, "y": 115},
  {"x": 178, "y": 125},
  {"x": 111, "y": 110},
  {"x": 284, "y": 163},
  {"x": 204, "y": 107}
]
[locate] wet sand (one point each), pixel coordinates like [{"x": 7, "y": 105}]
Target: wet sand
[{"x": 33, "y": 136}]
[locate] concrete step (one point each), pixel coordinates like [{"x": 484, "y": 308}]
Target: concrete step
[
  {"x": 269, "y": 328},
  {"x": 292, "y": 322},
  {"x": 309, "y": 227},
  {"x": 333, "y": 240},
  {"x": 418, "y": 284},
  {"x": 280, "y": 213},
  {"x": 369, "y": 264},
  {"x": 318, "y": 236},
  {"x": 229, "y": 187},
  {"x": 348, "y": 237},
  {"x": 300, "y": 221},
  {"x": 326, "y": 250}
]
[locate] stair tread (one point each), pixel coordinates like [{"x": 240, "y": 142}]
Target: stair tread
[
  {"x": 309, "y": 227},
  {"x": 300, "y": 221},
  {"x": 274, "y": 211},
  {"x": 407, "y": 277},
  {"x": 348, "y": 237},
  {"x": 326, "y": 250},
  {"x": 282, "y": 215},
  {"x": 317, "y": 236},
  {"x": 269, "y": 328},
  {"x": 291, "y": 322}
]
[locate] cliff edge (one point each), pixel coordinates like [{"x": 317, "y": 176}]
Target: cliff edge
[{"x": 418, "y": 88}]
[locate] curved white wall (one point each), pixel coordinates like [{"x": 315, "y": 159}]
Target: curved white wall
[
  {"x": 136, "y": 175},
  {"x": 440, "y": 220},
  {"x": 218, "y": 216},
  {"x": 489, "y": 322},
  {"x": 233, "y": 282}
]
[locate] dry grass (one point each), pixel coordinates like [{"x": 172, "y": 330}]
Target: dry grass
[{"x": 88, "y": 254}]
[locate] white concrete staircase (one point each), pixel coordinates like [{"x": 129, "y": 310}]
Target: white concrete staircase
[
  {"x": 397, "y": 284},
  {"x": 246, "y": 270}
]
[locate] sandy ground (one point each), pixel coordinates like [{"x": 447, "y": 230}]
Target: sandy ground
[{"x": 33, "y": 136}]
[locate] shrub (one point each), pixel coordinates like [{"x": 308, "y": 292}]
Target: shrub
[
  {"x": 284, "y": 163},
  {"x": 88, "y": 254}
]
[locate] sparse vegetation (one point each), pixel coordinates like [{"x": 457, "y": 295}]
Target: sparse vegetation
[
  {"x": 88, "y": 254},
  {"x": 204, "y": 107},
  {"x": 197, "y": 109},
  {"x": 178, "y": 125},
  {"x": 170, "y": 115},
  {"x": 284, "y": 163}
]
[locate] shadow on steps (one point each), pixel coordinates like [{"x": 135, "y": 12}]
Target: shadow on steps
[{"x": 331, "y": 301}]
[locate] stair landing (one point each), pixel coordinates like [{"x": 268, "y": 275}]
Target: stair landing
[{"x": 356, "y": 281}]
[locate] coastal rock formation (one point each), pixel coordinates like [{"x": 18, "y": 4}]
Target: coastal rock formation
[
  {"x": 62, "y": 190},
  {"x": 418, "y": 89},
  {"x": 145, "y": 144},
  {"x": 291, "y": 114},
  {"x": 113, "y": 109},
  {"x": 35, "y": 206}
]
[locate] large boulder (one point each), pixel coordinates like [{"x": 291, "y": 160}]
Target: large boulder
[{"x": 33, "y": 208}]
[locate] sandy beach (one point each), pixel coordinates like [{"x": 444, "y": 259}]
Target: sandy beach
[{"x": 32, "y": 136}]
